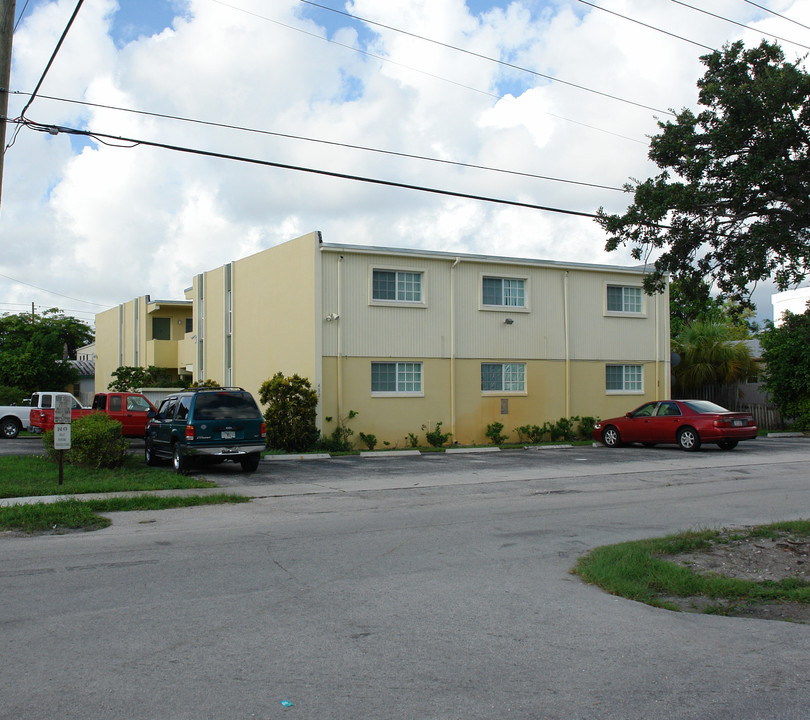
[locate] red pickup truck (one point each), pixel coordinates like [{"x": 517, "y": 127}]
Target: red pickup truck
[{"x": 128, "y": 408}]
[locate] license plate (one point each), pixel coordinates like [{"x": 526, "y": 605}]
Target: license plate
[
  {"x": 228, "y": 434},
  {"x": 738, "y": 423}
]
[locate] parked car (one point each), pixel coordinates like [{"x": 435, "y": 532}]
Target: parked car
[
  {"x": 687, "y": 423},
  {"x": 213, "y": 423},
  {"x": 128, "y": 408}
]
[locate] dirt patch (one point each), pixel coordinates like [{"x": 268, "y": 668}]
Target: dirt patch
[{"x": 749, "y": 558}]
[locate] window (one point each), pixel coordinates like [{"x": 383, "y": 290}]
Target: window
[
  {"x": 189, "y": 324},
  {"x": 503, "y": 377},
  {"x": 504, "y": 292},
  {"x": 161, "y": 328},
  {"x": 624, "y": 378},
  {"x": 623, "y": 299},
  {"x": 396, "y": 377},
  {"x": 396, "y": 286}
]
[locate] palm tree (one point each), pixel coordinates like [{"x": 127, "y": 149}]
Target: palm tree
[{"x": 708, "y": 356}]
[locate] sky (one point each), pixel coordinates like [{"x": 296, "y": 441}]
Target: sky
[{"x": 543, "y": 102}]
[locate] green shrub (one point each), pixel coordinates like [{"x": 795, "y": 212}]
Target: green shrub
[
  {"x": 338, "y": 439},
  {"x": 370, "y": 441},
  {"x": 563, "y": 429},
  {"x": 95, "y": 442},
  {"x": 435, "y": 437},
  {"x": 494, "y": 433},
  {"x": 291, "y": 413},
  {"x": 585, "y": 426},
  {"x": 413, "y": 440},
  {"x": 531, "y": 433}
]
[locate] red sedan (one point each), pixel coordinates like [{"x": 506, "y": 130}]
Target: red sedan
[{"x": 686, "y": 423}]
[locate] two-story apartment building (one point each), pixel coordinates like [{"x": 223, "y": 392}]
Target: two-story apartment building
[{"x": 408, "y": 338}]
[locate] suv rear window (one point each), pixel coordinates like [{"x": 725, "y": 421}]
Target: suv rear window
[{"x": 226, "y": 405}]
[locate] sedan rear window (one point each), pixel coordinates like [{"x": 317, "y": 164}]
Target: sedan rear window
[
  {"x": 704, "y": 406},
  {"x": 224, "y": 406}
]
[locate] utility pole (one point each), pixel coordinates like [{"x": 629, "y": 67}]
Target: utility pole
[{"x": 7, "y": 12}]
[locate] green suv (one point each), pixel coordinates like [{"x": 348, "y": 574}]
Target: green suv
[{"x": 217, "y": 424}]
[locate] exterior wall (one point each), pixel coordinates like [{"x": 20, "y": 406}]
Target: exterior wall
[
  {"x": 565, "y": 336},
  {"x": 275, "y": 301},
  {"x": 124, "y": 336},
  {"x": 305, "y": 307},
  {"x": 794, "y": 301}
]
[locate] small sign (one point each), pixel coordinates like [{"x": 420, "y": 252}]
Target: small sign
[
  {"x": 61, "y": 436},
  {"x": 61, "y": 409}
]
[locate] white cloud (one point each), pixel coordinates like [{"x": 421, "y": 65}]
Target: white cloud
[{"x": 105, "y": 224}]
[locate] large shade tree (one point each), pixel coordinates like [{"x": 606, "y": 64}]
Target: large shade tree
[
  {"x": 34, "y": 349},
  {"x": 732, "y": 203},
  {"x": 786, "y": 352}
]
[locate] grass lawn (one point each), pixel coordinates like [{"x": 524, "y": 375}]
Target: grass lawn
[
  {"x": 639, "y": 571},
  {"x": 29, "y": 475},
  {"x": 32, "y": 476}
]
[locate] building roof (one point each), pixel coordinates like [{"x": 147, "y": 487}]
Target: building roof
[{"x": 438, "y": 254}]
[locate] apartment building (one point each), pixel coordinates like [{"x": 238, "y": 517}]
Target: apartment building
[{"x": 408, "y": 338}]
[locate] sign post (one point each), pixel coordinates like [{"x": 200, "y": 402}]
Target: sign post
[{"x": 61, "y": 430}]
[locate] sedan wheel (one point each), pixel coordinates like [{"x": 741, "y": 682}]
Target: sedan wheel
[
  {"x": 688, "y": 439},
  {"x": 611, "y": 437},
  {"x": 727, "y": 444}
]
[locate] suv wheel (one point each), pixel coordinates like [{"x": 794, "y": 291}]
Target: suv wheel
[
  {"x": 180, "y": 461},
  {"x": 149, "y": 454},
  {"x": 251, "y": 462}
]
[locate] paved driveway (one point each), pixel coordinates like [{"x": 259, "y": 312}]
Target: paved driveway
[{"x": 434, "y": 587}]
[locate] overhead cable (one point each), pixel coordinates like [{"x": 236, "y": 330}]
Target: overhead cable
[
  {"x": 651, "y": 27},
  {"x": 115, "y": 140},
  {"x": 334, "y": 143},
  {"x": 739, "y": 24},
  {"x": 773, "y": 12},
  {"x": 468, "y": 52}
]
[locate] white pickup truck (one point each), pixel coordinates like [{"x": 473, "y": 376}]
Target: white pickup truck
[{"x": 14, "y": 418}]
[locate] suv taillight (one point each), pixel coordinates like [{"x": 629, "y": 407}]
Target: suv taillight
[
  {"x": 189, "y": 432},
  {"x": 264, "y": 429}
]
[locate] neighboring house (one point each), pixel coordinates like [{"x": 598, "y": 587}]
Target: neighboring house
[
  {"x": 794, "y": 301},
  {"x": 140, "y": 333},
  {"x": 85, "y": 388},
  {"x": 409, "y": 338}
]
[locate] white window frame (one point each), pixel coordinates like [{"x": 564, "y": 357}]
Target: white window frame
[
  {"x": 397, "y": 302},
  {"x": 642, "y": 312},
  {"x": 504, "y": 366},
  {"x": 503, "y": 308},
  {"x": 400, "y": 366},
  {"x": 626, "y": 381}
]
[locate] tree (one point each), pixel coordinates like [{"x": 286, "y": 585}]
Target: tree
[
  {"x": 708, "y": 356},
  {"x": 127, "y": 378},
  {"x": 291, "y": 414},
  {"x": 786, "y": 354},
  {"x": 34, "y": 349},
  {"x": 732, "y": 204}
]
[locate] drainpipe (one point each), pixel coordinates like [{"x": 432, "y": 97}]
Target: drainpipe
[
  {"x": 657, "y": 353},
  {"x": 567, "y": 348},
  {"x": 453, "y": 348},
  {"x": 339, "y": 339}
]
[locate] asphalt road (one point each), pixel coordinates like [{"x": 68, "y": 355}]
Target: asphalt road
[{"x": 416, "y": 587}]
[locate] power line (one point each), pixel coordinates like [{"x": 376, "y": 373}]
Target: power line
[
  {"x": 651, "y": 27},
  {"x": 333, "y": 143},
  {"x": 452, "y": 47},
  {"x": 132, "y": 142},
  {"x": 773, "y": 12},
  {"x": 52, "y": 292},
  {"x": 739, "y": 24}
]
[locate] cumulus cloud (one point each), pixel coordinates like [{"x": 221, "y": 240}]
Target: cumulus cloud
[{"x": 103, "y": 222}]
